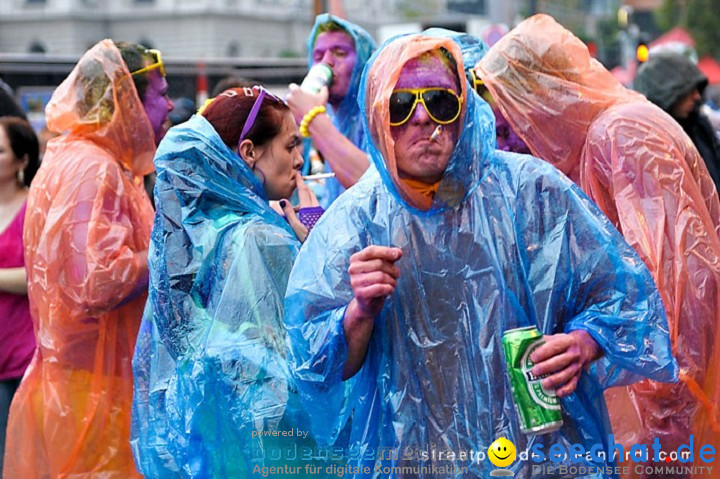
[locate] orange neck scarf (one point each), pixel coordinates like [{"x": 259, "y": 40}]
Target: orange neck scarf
[{"x": 422, "y": 193}]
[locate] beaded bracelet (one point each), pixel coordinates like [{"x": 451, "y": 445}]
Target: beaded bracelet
[{"x": 310, "y": 116}]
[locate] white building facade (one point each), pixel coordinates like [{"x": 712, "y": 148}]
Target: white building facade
[{"x": 214, "y": 28}]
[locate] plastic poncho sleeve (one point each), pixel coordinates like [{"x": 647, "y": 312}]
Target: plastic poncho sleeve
[
  {"x": 103, "y": 266},
  {"x": 658, "y": 206},
  {"x": 593, "y": 279},
  {"x": 315, "y": 309}
]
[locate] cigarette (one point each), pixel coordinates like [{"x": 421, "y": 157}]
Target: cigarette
[
  {"x": 320, "y": 176},
  {"x": 436, "y": 133}
]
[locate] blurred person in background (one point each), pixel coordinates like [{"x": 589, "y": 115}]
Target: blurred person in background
[
  {"x": 333, "y": 115},
  {"x": 231, "y": 82},
  {"x": 8, "y": 105},
  {"x": 213, "y": 392},
  {"x": 675, "y": 84},
  {"x": 644, "y": 173},
  {"x": 183, "y": 109},
  {"x": 86, "y": 237},
  {"x": 18, "y": 165}
]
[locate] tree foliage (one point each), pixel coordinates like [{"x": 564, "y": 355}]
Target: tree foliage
[{"x": 701, "y": 18}]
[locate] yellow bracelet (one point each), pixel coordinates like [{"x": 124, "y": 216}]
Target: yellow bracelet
[{"x": 310, "y": 116}]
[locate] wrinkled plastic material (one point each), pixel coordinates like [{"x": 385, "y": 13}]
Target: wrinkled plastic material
[
  {"x": 508, "y": 242},
  {"x": 88, "y": 218},
  {"x": 347, "y": 117},
  {"x": 642, "y": 170},
  {"x": 210, "y": 367}
]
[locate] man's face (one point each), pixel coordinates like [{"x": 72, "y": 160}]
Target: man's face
[
  {"x": 682, "y": 108},
  {"x": 336, "y": 50},
  {"x": 157, "y": 103},
  {"x": 418, "y": 156}
]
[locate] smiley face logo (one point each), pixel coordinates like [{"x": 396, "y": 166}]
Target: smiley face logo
[{"x": 502, "y": 452}]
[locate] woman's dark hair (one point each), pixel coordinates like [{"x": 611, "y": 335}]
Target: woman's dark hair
[
  {"x": 228, "y": 112},
  {"x": 24, "y": 143},
  {"x": 136, "y": 56}
]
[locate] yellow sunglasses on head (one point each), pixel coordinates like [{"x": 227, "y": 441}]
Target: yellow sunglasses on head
[
  {"x": 158, "y": 64},
  {"x": 442, "y": 105}
]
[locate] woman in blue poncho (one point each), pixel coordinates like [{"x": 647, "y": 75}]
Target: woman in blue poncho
[
  {"x": 397, "y": 303},
  {"x": 213, "y": 396}
]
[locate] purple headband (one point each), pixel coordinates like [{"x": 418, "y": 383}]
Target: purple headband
[{"x": 256, "y": 107}]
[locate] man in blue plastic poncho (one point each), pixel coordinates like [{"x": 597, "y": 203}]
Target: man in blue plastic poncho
[
  {"x": 337, "y": 132},
  {"x": 397, "y": 302}
]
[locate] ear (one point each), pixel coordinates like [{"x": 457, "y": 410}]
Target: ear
[{"x": 247, "y": 152}]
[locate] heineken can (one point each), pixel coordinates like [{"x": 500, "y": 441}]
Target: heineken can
[
  {"x": 320, "y": 75},
  {"x": 538, "y": 407}
]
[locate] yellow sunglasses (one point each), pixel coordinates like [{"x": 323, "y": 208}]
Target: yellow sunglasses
[
  {"x": 441, "y": 104},
  {"x": 480, "y": 88},
  {"x": 158, "y": 64}
]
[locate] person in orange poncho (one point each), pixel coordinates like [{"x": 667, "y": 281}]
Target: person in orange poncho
[
  {"x": 86, "y": 237},
  {"x": 644, "y": 173}
]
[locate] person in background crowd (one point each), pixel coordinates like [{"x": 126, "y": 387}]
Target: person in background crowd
[
  {"x": 18, "y": 164},
  {"x": 335, "y": 128},
  {"x": 214, "y": 396},
  {"x": 231, "y": 82},
  {"x": 675, "y": 84},
  {"x": 8, "y": 105},
  {"x": 644, "y": 173},
  {"x": 86, "y": 236},
  {"x": 183, "y": 109},
  {"x": 398, "y": 300}
]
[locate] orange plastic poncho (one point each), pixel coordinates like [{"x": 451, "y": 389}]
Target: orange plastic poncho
[
  {"x": 643, "y": 171},
  {"x": 86, "y": 236}
]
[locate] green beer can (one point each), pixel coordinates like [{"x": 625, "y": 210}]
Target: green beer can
[{"x": 538, "y": 408}]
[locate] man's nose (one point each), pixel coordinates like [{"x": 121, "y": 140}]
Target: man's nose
[
  {"x": 328, "y": 58},
  {"x": 171, "y": 105},
  {"x": 420, "y": 115}
]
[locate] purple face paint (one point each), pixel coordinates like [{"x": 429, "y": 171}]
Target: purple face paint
[
  {"x": 157, "y": 104},
  {"x": 507, "y": 139},
  {"x": 417, "y": 156},
  {"x": 336, "y": 50}
]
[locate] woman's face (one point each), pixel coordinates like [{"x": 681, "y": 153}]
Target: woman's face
[
  {"x": 9, "y": 163},
  {"x": 280, "y": 160}
]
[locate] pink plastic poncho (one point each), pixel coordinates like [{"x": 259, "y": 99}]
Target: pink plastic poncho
[
  {"x": 642, "y": 170},
  {"x": 86, "y": 237}
]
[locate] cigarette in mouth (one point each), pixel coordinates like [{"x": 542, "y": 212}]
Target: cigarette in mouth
[
  {"x": 320, "y": 176},
  {"x": 436, "y": 133}
]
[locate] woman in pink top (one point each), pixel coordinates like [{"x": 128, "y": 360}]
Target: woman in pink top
[{"x": 18, "y": 164}]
